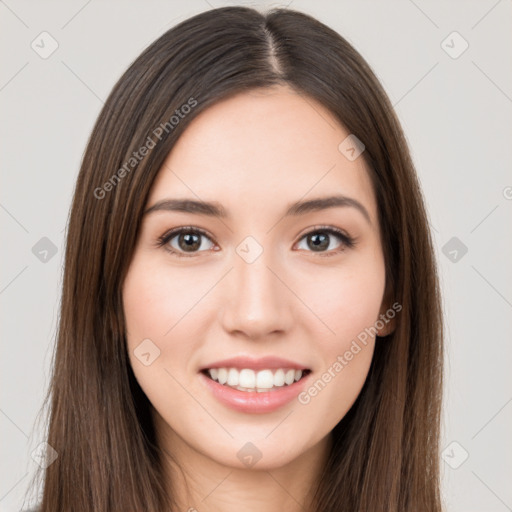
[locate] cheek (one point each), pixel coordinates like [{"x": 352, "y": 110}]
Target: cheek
[
  {"x": 348, "y": 302},
  {"x": 347, "y": 298},
  {"x": 145, "y": 305},
  {"x": 154, "y": 310},
  {"x": 156, "y": 300}
]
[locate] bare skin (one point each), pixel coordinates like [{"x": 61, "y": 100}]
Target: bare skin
[{"x": 255, "y": 154}]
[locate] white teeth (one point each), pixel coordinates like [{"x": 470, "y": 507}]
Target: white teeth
[
  {"x": 279, "y": 378},
  {"x": 249, "y": 380},
  {"x": 233, "y": 377},
  {"x": 264, "y": 379},
  {"x": 222, "y": 376},
  {"x": 289, "y": 377}
]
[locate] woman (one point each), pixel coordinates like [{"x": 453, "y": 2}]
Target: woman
[{"x": 250, "y": 312}]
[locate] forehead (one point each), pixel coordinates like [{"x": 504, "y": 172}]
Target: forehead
[{"x": 260, "y": 150}]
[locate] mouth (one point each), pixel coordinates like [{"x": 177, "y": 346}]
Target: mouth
[
  {"x": 249, "y": 380},
  {"x": 254, "y": 391}
]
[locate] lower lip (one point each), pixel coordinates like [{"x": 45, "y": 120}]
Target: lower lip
[{"x": 252, "y": 401}]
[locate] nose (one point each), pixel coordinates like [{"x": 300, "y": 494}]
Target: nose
[{"x": 257, "y": 301}]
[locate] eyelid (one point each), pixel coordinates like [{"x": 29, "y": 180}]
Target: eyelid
[
  {"x": 347, "y": 241},
  {"x": 163, "y": 240}
]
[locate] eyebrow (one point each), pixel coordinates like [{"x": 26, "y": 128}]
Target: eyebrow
[{"x": 215, "y": 209}]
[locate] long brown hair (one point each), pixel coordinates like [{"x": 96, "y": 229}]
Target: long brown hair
[{"x": 385, "y": 455}]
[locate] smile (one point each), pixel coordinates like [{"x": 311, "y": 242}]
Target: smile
[
  {"x": 266, "y": 386},
  {"x": 249, "y": 380}
]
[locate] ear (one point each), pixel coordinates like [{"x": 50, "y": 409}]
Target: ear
[{"x": 386, "y": 322}]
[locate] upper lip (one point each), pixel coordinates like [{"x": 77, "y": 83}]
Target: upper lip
[{"x": 261, "y": 363}]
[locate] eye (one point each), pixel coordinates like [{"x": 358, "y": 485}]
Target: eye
[
  {"x": 184, "y": 240},
  {"x": 320, "y": 240},
  {"x": 187, "y": 241}
]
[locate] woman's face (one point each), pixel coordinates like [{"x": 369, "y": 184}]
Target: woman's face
[{"x": 274, "y": 291}]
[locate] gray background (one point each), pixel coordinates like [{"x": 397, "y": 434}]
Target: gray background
[{"x": 456, "y": 113}]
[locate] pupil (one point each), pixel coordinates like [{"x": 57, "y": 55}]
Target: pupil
[
  {"x": 319, "y": 240},
  {"x": 190, "y": 240}
]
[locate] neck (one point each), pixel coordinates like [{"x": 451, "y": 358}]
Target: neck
[{"x": 199, "y": 483}]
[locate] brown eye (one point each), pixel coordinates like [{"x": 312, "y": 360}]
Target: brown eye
[
  {"x": 185, "y": 240},
  {"x": 189, "y": 241},
  {"x": 318, "y": 241},
  {"x": 321, "y": 240}
]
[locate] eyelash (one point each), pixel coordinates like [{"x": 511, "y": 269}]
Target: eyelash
[{"x": 347, "y": 241}]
